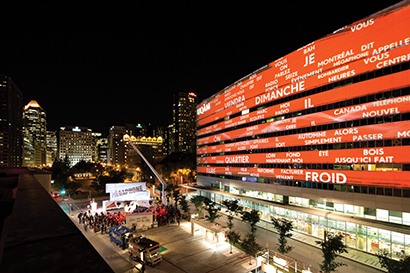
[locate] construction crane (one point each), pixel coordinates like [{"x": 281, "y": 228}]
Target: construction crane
[{"x": 164, "y": 184}]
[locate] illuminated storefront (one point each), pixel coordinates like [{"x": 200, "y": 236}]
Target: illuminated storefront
[
  {"x": 321, "y": 132},
  {"x": 356, "y": 233}
]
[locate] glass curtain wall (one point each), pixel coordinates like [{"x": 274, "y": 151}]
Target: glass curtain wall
[{"x": 356, "y": 236}]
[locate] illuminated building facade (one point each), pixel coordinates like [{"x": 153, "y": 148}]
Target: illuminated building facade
[
  {"x": 184, "y": 122},
  {"x": 76, "y": 143},
  {"x": 100, "y": 145},
  {"x": 121, "y": 154},
  {"x": 34, "y": 135},
  {"x": 320, "y": 136},
  {"x": 52, "y": 147},
  {"x": 115, "y": 150},
  {"x": 11, "y": 122}
]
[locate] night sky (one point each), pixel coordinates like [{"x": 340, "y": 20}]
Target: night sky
[{"x": 105, "y": 63}]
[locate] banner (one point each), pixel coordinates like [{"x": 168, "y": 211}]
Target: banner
[
  {"x": 397, "y": 179},
  {"x": 400, "y": 129},
  {"x": 127, "y": 191},
  {"x": 380, "y": 108},
  {"x": 389, "y": 82},
  {"x": 399, "y": 154},
  {"x": 372, "y": 43}
]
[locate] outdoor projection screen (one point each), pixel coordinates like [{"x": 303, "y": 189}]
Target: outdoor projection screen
[{"x": 379, "y": 41}]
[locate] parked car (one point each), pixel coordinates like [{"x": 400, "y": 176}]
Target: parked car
[{"x": 55, "y": 194}]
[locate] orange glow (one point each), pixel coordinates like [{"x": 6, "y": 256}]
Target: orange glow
[
  {"x": 371, "y": 178},
  {"x": 363, "y": 46}
]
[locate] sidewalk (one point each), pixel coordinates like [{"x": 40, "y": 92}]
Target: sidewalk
[
  {"x": 185, "y": 253},
  {"x": 353, "y": 254}
]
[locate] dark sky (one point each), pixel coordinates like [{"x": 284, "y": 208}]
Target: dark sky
[{"x": 105, "y": 63}]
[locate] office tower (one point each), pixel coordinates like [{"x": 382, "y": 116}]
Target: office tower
[
  {"x": 168, "y": 143},
  {"x": 138, "y": 130},
  {"x": 115, "y": 151},
  {"x": 34, "y": 135},
  {"x": 121, "y": 154},
  {"x": 11, "y": 112},
  {"x": 52, "y": 147},
  {"x": 184, "y": 122},
  {"x": 320, "y": 136},
  {"x": 158, "y": 131},
  {"x": 100, "y": 145},
  {"x": 101, "y": 150},
  {"x": 76, "y": 144}
]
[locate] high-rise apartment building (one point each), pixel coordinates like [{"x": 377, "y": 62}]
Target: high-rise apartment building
[
  {"x": 320, "y": 136},
  {"x": 76, "y": 143},
  {"x": 184, "y": 122},
  {"x": 34, "y": 135},
  {"x": 11, "y": 113}
]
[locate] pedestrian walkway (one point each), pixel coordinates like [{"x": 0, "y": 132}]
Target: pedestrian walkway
[
  {"x": 187, "y": 253},
  {"x": 184, "y": 252},
  {"x": 353, "y": 254}
]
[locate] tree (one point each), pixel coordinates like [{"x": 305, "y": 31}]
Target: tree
[
  {"x": 252, "y": 218},
  {"x": 199, "y": 202},
  {"x": 332, "y": 246},
  {"x": 113, "y": 176},
  {"x": 283, "y": 226},
  {"x": 83, "y": 166},
  {"x": 170, "y": 190},
  {"x": 99, "y": 183},
  {"x": 249, "y": 244},
  {"x": 59, "y": 171},
  {"x": 233, "y": 208},
  {"x": 403, "y": 265},
  {"x": 117, "y": 176},
  {"x": 177, "y": 197},
  {"x": 233, "y": 237},
  {"x": 184, "y": 204},
  {"x": 212, "y": 211},
  {"x": 72, "y": 187}
]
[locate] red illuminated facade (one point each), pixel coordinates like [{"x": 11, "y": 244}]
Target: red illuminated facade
[{"x": 325, "y": 127}]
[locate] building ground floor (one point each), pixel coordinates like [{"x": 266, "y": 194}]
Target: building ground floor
[{"x": 360, "y": 233}]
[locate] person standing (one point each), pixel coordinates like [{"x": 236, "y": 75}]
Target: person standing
[{"x": 80, "y": 215}]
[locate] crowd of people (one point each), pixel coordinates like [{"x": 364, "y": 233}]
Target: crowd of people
[
  {"x": 100, "y": 222},
  {"x": 168, "y": 213}
]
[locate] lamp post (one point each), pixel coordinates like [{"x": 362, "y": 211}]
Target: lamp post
[{"x": 327, "y": 224}]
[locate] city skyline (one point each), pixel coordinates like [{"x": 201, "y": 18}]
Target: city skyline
[{"x": 112, "y": 67}]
